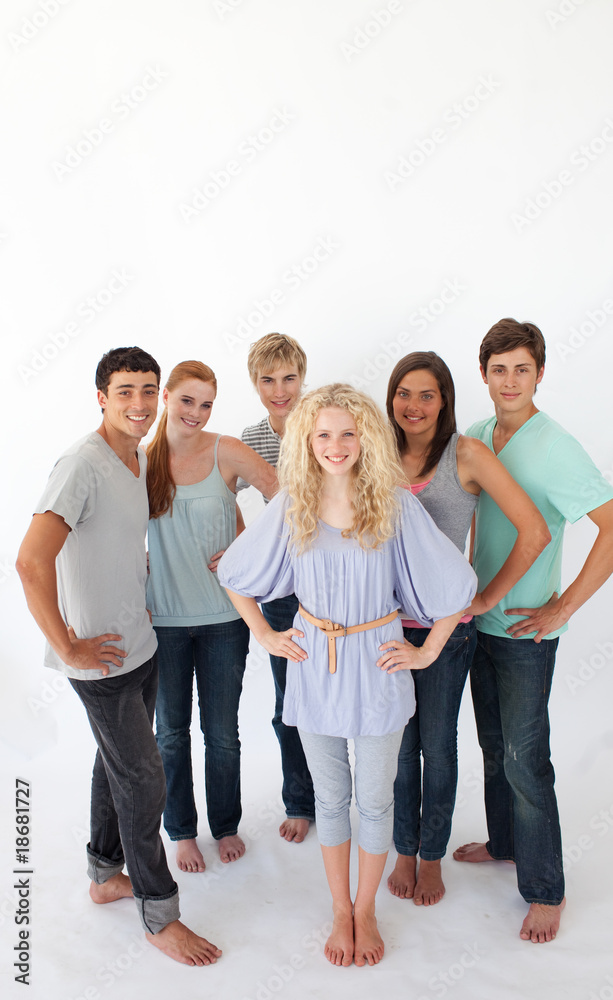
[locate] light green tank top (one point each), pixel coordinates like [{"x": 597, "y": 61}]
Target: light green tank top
[{"x": 181, "y": 590}]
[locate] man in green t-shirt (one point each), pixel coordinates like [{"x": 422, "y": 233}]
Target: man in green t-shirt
[{"x": 517, "y": 640}]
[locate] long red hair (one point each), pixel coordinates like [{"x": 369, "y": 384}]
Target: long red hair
[{"x": 160, "y": 485}]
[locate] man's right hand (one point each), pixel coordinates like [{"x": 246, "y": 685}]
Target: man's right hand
[{"x": 91, "y": 654}]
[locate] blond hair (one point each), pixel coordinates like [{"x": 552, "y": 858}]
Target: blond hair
[
  {"x": 273, "y": 351},
  {"x": 376, "y": 473},
  {"x": 160, "y": 484}
]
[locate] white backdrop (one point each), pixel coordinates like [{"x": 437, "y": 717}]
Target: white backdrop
[{"x": 370, "y": 178}]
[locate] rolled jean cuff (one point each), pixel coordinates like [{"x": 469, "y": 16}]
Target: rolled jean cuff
[
  {"x": 156, "y": 912},
  {"x": 100, "y": 869},
  {"x": 406, "y": 852}
]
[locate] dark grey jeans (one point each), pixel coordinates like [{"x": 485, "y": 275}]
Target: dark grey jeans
[{"x": 129, "y": 791}]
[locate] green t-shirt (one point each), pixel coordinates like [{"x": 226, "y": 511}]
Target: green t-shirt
[{"x": 561, "y": 479}]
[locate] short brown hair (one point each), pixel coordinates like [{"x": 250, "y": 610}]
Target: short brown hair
[
  {"x": 272, "y": 351},
  {"x": 124, "y": 359},
  {"x": 508, "y": 335}
]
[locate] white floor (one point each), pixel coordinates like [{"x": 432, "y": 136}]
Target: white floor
[{"x": 269, "y": 911}]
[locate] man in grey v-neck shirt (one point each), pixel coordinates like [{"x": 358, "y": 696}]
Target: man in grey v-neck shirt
[{"x": 83, "y": 568}]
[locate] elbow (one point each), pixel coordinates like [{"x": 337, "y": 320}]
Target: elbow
[
  {"x": 272, "y": 488},
  {"x": 28, "y": 569},
  {"x": 542, "y": 538},
  {"x": 24, "y": 568},
  {"x": 533, "y": 540},
  {"x": 537, "y": 540}
]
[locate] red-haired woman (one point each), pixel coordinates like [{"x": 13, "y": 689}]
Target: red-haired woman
[{"x": 191, "y": 480}]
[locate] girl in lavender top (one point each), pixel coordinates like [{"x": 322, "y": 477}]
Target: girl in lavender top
[
  {"x": 354, "y": 547},
  {"x": 447, "y": 471}
]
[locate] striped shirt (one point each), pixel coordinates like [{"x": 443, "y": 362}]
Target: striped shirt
[{"x": 265, "y": 441}]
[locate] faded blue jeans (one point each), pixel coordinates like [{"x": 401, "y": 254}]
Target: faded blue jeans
[
  {"x": 511, "y": 681},
  {"x": 128, "y": 791},
  {"x": 422, "y": 818},
  {"x": 297, "y": 790},
  {"x": 216, "y": 654}
]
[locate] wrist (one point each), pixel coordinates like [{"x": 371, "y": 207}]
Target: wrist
[
  {"x": 566, "y": 608},
  {"x": 429, "y": 653},
  {"x": 64, "y": 649},
  {"x": 486, "y": 601},
  {"x": 262, "y": 632}
]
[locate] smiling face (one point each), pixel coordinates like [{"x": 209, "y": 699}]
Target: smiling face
[
  {"x": 130, "y": 404},
  {"x": 512, "y": 379},
  {"x": 417, "y": 404},
  {"x": 189, "y": 406},
  {"x": 335, "y": 441},
  {"x": 278, "y": 391}
]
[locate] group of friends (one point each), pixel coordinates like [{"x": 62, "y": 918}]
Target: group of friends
[{"x": 353, "y": 578}]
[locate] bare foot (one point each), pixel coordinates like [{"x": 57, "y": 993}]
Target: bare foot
[
  {"x": 178, "y": 942},
  {"x": 476, "y": 852},
  {"x": 189, "y": 856},
  {"x": 429, "y": 888},
  {"x": 338, "y": 949},
  {"x": 117, "y": 887},
  {"x": 293, "y": 829},
  {"x": 542, "y": 922},
  {"x": 401, "y": 882},
  {"x": 369, "y": 945},
  {"x": 231, "y": 848}
]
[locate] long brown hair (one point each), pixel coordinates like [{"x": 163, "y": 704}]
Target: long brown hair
[
  {"x": 446, "y": 423},
  {"x": 160, "y": 485}
]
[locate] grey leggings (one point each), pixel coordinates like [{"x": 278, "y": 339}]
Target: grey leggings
[{"x": 376, "y": 763}]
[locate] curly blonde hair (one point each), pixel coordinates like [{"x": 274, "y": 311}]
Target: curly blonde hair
[{"x": 376, "y": 473}]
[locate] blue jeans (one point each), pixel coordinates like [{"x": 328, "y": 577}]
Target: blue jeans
[
  {"x": 297, "y": 791},
  {"x": 217, "y": 654},
  {"x": 510, "y": 682},
  {"x": 128, "y": 791},
  {"x": 422, "y": 820}
]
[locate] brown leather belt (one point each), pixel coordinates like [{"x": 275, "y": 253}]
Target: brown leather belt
[{"x": 335, "y": 631}]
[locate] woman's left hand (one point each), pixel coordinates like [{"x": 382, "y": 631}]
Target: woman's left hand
[
  {"x": 215, "y": 561},
  {"x": 401, "y": 655}
]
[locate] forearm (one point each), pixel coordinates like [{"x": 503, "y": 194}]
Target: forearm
[
  {"x": 521, "y": 557},
  {"x": 276, "y": 643},
  {"x": 402, "y": 655},
  {"x": 596, "y": 570},
  {"x": 439, "y": 634},
  {"x": 249, "y": 611},
  {"x": 40, "y": 589}
]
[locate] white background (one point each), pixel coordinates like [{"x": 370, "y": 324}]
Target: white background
[{"x": 239, "y": 166}]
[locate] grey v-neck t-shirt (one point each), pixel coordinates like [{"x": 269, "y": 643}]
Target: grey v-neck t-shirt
[{"x": 102, "y": 566}]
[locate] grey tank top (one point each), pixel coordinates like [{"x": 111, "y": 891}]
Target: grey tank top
[{"x": 449, "y": 505}]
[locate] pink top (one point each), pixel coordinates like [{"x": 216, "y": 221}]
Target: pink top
[{"x": 416, "y": 488}]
